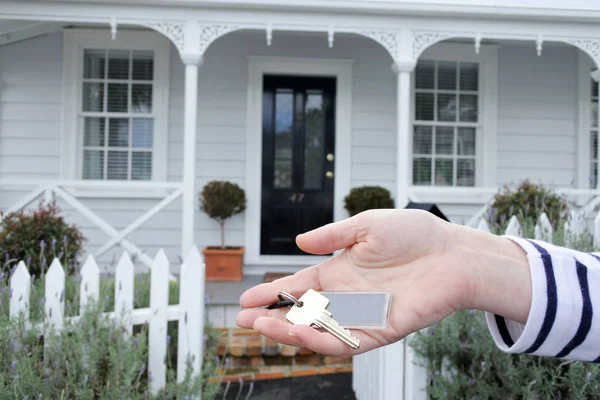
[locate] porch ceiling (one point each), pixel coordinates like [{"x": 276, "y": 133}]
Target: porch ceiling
[{"x": 14, "y": 30}]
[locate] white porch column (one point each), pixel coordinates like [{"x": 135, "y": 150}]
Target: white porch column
[
  {"x": 192, "y": 59},
  {"x": 189, "y": 154},
  {"x": 596, "y": 78},
  {"x": 403, "y": 124}
]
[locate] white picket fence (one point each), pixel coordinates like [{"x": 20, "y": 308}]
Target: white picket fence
[
  {"x": 189, "y": 312},
  {"x": 394, "y": 372}
]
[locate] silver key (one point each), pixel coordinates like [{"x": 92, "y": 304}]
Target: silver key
[{"x": 313, "y": 312}]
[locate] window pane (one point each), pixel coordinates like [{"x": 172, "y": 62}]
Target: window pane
[
  {"x": 593, "y": 175},
  {"x": 425, "y": 75},
  {"x": 93, "y": 131},
  {"x": 141, "y": 165},
  {"x": 594, "y": 88},
  {"x": 117, "y": 165},
  {"x": 118, "y": 64},
  {"x": 94, "y": 64},
  {"x": 118, "y": 132},
  {"x": 142, "y": 133},
  {"x": 465, "y": 172},
  {"x": 469, "y": 76},
  {"x": 141, "y": 99},
  {"x": 447, "y": 75},
  {"x": 424, "y": 107},
  {"x": 468, "y": 108},
  {"x": 143, "y": 65},
  {"x": 93, "y": 97},
  {"x": 594, "y": 144},
  {"x": 466, "y": 141},
  {"x": 594, "y": 116},
  {"x": 117, "y": 97},
  {"x": 443, "y": 172},
  {"x": 422, "y": 139},
  {"x": 446, "y": 107},
  {"x": 93, "y": 164},
  {"x": 314, "y": 145},
  {"x": 444, "y": 140},
  {"x": 284, "y": 114},
  {"x": 422, "y": 171}
]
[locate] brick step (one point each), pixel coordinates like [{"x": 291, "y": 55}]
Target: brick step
[{"x": 247, "y": 355}]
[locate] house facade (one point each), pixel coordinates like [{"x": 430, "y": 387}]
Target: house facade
[{"x": 123, "y": 111}]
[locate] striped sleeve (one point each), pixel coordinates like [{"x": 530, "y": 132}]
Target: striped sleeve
[{"x": 564, "y": 319}]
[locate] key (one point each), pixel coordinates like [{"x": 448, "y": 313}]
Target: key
[{"x": 312, "y": 311}]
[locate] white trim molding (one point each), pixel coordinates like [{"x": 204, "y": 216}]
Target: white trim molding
[
  {"x": 584, "y": 123},
  {"x": 486, "y": 127},
  {"x": 75, "y": 41},
  {"x": 257, "y": 67}
]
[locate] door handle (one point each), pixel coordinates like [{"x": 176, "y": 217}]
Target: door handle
[
  {"x": 293, "y": 198},
  {"x": 330, "y": 157},
  {"x": 329, "y": 174}
]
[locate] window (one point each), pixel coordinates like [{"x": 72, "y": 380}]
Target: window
[
  {"x": 115, "y": 105},
  {"x": 594, "y": 135},
  {"x": 446, "y": 117},
  {"x": 118, "y": 125}
]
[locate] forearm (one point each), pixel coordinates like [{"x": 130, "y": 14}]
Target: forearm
[
  {"x": 539, "y": 298},
  {"x": 500, "y": 272}
]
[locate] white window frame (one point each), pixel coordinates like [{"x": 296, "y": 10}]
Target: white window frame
[
  {"x": 74, "y": 43},
  {"x": 485, "y": 128},
  {"x": 585, "y": 67}
]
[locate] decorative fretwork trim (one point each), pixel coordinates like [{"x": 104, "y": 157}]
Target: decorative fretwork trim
[
  {"x": 172, "y": 30},
  {"x": 590, "y": 46},
  {"x": 390, "y": 40},
  {"x": 210, "y": 33},
  {"x": 422, "y": 40}
]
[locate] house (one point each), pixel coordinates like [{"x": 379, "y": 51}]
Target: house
[{"x": 123, "y": 111}]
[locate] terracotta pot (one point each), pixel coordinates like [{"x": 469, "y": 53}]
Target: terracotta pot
[{"x": 224, "y": 264}]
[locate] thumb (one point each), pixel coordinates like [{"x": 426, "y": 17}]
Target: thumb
[{"x": 335, "y": 236}]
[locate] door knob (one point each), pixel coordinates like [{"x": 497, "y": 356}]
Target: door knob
[
  {"x": 330, "y": 157},
  {"x": 329, "y": 174}
]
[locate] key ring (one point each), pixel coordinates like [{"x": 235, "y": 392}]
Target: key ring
[{"x": 282, "y": 295}]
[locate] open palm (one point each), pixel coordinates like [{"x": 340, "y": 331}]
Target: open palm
[{"x": 408, "y": 253}]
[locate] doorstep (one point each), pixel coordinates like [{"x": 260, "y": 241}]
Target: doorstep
[{"x": 245, "y": 354}]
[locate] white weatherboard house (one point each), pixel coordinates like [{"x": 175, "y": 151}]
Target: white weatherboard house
[{"x": 123, "y": 110}]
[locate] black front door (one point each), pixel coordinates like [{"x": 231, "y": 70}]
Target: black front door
[{"x": 297, "y": 159}]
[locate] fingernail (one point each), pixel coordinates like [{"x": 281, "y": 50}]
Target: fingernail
[
  {"x": 255, "y": 328},
  {"x": 291, "y": 333}
]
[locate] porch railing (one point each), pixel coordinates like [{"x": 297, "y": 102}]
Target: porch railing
[{"x": 68, "y": 191}]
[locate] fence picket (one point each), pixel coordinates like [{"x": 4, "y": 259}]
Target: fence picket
[
  {"x": 20, "y": 290},
  {"x": 568, "y": 233},
  {"x": 514, "y": 227},
  {"x": 55, "y": 295},
  {"x": 90, "y": 284},
  {"x": 543, "y": 228},
  {"x": 124, "y": 291},
  {"x": 483, "y": 226},
  {"x": 191, "y": 317},
  {"x": 157, "y": 335}
]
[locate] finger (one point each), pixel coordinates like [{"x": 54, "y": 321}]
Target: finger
[
  {"x": 277, "y": 330},
  {"x": 245, "y": 318},
  {"x": 335, "y": 236},
  {"x": 320, "y": 342},
  {"x": 296, "y": 285}
]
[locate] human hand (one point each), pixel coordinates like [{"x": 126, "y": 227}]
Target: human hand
[{"x": 428, "y": 265}]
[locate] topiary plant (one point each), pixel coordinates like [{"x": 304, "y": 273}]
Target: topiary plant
[
  {"x": 366, "y": 198},
  {"x": 527, "y": 201},
  {"x": 37, "y": 237},
  {"x": 221, "y": 200}
]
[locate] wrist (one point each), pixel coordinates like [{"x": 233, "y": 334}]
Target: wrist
[{"x": 499, "y": 272}]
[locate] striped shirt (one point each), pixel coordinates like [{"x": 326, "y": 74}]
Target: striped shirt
[{"x": 565, "y": 292}]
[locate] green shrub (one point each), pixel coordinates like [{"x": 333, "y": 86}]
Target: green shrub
[
  {"x": 527, "y": 201},
  {"x": 37, "y": 237},
  {"x": 367, "y": 198},
  {"x": 221, "y": 200}
]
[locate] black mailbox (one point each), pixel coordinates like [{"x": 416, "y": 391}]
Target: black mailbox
[{"x": 432, "y": 208}]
